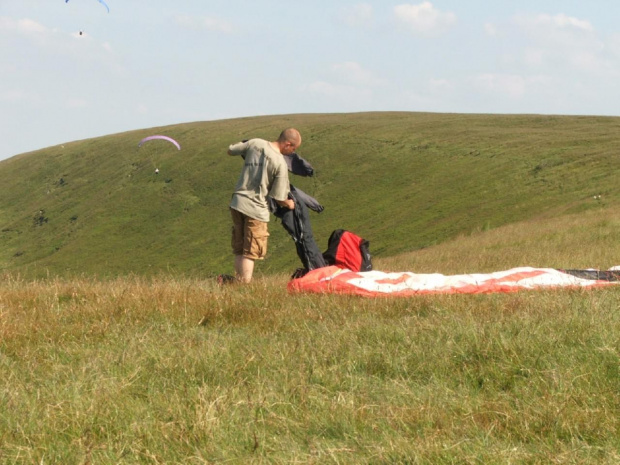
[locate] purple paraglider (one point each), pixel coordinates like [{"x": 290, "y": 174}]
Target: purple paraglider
[{"x": 169, "y": 139}]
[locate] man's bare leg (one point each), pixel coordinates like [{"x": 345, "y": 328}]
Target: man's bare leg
[{"x": 244, "y": 268}]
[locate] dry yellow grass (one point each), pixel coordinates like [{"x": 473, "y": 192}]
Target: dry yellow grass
[
  {"x": 587, "y": 240},
  {"x": 174, "y": 370}
]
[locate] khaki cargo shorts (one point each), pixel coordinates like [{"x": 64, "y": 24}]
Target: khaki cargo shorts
[{"x": 249, "y": 236}]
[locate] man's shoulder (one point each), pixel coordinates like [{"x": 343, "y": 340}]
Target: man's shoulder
[
  {"x": 274, "y": 157},
  {"x": 258, "y": 143},
  {"x": 273, "y": 154}
]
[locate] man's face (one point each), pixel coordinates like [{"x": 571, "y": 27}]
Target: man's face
[{"x": 289, "y": 148}]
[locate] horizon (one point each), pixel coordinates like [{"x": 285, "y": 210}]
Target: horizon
[{"x": 73, "y": 71}]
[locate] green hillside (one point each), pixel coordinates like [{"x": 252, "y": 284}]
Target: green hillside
[{"x": 404, "y": 181}]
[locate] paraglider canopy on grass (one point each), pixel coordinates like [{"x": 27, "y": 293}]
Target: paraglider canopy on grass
[{"x": 336, "y": 280}]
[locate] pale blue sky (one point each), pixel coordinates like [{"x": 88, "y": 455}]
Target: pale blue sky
[{"x": 154, "y": 62}]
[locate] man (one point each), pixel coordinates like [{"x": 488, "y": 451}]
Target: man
[{"x": 264, "y": 174}]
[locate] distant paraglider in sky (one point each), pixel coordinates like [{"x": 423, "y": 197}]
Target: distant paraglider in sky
[
  {"x": 169, "y": 139},
  {"x": 100, "y": 1},
  {"x": 104, "y": 4}
]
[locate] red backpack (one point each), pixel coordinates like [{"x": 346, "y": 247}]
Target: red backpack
[{"x": 348, "y": 250}]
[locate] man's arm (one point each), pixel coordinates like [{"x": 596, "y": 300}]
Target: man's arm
[
  {"x": 238, "y": 149},
  {"x": 288, "y": 203}
]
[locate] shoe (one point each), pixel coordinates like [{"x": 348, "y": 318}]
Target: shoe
[
  {"x": 225, "y": 279},
  {"x": 299, "y": 273}
]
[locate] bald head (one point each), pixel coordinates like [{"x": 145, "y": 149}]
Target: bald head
[
  {"x": 290, "y": 135},
  {"x": 289, "y": 140}
]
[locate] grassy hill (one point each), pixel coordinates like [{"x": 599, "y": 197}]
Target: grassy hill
[
  {"x": 404, "y": 181},
  {"x": 179, "y": 370},
  {"x": 176, "y": 369}
]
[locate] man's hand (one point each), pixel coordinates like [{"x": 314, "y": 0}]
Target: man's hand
[{"x": 288, "y": 203}]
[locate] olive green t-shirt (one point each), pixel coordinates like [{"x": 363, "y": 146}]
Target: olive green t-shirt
[{"x": 264, "y": 173}]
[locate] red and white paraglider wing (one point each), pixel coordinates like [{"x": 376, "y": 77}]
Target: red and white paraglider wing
[{"x": 335, "y": 280}]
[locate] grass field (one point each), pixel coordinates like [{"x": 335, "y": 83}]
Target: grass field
[
  {"x": 404, "y": 181},
  {"x": 175, "y": 370}
]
